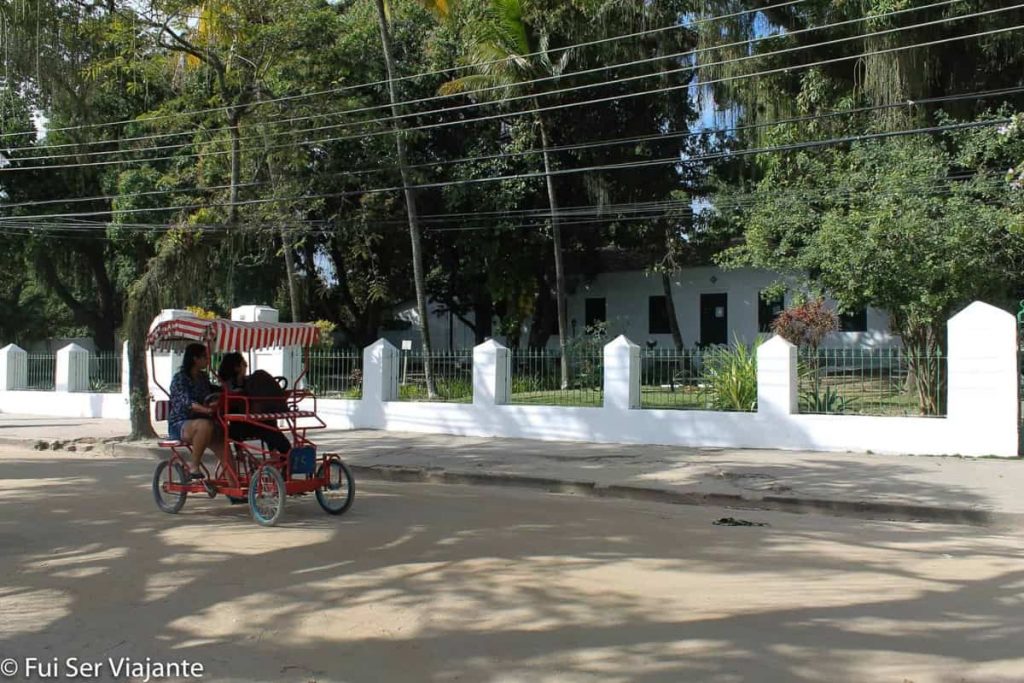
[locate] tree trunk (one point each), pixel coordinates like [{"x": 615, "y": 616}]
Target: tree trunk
[
  {"x": 109, "y": 314},
  {"x": 926, "y": 367},
  {"x": 309, "y": 265},
  {"x": 673, "y": 321},
  {"x": 419, "y": 277},
  {"x": 234, "y": 119},
  {"x": 287, "y": 248},
  {"x": 138, "y": 319},
  {"x": 175, "y": 271},
  {"x": 556, "y": 236},
  {"x": 289, "y": 267}
]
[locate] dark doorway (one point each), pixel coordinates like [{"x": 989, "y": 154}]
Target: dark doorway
[{"x": 714, "y": 319}]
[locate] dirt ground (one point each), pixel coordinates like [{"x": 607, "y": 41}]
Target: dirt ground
[{"x": 451, "y": 583}]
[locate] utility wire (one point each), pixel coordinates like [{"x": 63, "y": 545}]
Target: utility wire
[
  {"x": 390, "y": 118},
  {"x": 679, "y": 209},
  {"x": 535, "y": 110},
  {"x": 438, "y": 72},
  {"x": 674, "y": 161},
  {"x": 597, "y": 144}
]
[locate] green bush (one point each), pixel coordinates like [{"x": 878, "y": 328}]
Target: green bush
[
  {"x": 732, "y": 374},
  {"x": 826, "y": 400}
]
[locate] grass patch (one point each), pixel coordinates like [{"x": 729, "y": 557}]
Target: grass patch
[
  {"x": 683, "y": 397},
  {"x": 880, "y": 397},
  {"x": 449, "y": 390},
  {"x": 580, "y": 398}
]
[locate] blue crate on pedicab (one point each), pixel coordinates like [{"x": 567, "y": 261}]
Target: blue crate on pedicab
[{"x": 302, "y": 460}]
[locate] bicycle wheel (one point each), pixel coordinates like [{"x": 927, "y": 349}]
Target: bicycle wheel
[
  {"x": 266, "y": 496},
  {"x": 164, "y": 475},
  {"x": 339, "y": 488}
]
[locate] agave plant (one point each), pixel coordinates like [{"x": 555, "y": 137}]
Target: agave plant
[{"x": 826, "y": 400}]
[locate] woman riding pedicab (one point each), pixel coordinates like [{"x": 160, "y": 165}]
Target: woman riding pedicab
[
  {"x": 191, "y": 419},
  {"x": 232, "y": 374},
  {"x": 263, "y": 476}
]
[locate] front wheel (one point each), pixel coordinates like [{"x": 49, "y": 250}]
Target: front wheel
[
  {"x": 266, "y": 496},
  {"x": 168, "y": 472},
  {"x": 338, "y": 489}
]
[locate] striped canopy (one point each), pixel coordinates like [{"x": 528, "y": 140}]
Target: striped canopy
[{"x": 230, "y": 335}]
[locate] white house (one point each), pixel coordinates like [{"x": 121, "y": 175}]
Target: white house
[{"x": 713, "y": 306}]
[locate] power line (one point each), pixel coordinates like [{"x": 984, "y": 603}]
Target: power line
[
  {"x": 388, "y": 118},
  {"x": 562, "y": 106},
  {"x": 561, "y": 148},
  {"x": 438, "y": 72},
  {"x": 598, "y": 215},
  {"x": 675, "y": 161}
]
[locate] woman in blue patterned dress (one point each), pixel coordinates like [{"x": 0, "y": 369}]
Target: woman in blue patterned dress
[{"x": 190, "y": 419}]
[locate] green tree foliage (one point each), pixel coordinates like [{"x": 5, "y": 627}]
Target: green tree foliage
[{"x": 275, "y": 177}]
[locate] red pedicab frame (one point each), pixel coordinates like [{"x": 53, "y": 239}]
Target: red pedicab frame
[{"x": 262, "y": 476}]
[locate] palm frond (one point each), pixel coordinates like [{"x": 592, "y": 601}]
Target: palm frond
[
  {"x": 508, "y": 19},
  {"x": 474, "y": 83}
]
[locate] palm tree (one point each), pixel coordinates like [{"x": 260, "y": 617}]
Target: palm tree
[{"x": 508, "y": 56}]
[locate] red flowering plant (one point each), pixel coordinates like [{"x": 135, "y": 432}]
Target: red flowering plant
[{"x": 806, "y": 324}]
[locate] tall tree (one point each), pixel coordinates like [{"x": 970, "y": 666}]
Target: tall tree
[
  {"x": 509, "y": 55},
  {"x": 415, "y": 237}
]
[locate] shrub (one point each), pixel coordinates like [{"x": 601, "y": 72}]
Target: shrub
[
  {"x": 826, "y": 400},
  {"x": 807, "y": 324},
  {"x": 732, "y": 374}
]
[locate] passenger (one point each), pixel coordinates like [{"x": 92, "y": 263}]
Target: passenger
[
  {"x": 232, "y": 373},
  {"x": 190, "y": 419}
]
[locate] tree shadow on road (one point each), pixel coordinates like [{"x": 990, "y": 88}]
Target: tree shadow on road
[{"x": 441, "y": 583}]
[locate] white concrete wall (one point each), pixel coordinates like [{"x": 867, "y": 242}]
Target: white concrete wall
[
  {"x": 921, "y": 436},
  {"x": 626, "y": 296},
  {"x": 71, "y": 397},
  {"x": 982, "y": 417},
  {"x": 62, "y": 404}
]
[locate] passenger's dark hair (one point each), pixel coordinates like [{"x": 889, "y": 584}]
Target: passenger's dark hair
[
  {"x": 229, "y": 365},
  {"x": 192, "y": 352}
]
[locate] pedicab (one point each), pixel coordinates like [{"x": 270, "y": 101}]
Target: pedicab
[{"x": 252, "y": 473}]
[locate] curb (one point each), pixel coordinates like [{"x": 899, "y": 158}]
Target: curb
[
  {"x": 836, "y": 508},
  {"x": 438, "y": 475}
]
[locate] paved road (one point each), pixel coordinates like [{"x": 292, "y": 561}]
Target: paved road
[{"x": 451, "y": 583}]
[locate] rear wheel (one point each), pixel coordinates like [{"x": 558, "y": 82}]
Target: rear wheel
[
  {"x": 168, "y": 472},
  {"x": 338, "y": 490},
  {"x": 266, "y": 496}
]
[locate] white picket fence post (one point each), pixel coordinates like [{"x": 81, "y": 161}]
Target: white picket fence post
[
  {"x": 13, "y": 368},
  {"x": 72, "y": 369}
]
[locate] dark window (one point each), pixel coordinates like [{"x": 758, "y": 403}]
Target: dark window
[
  {"x": 595, "y": 312},
  {"x": 767, "y": 311},
  {"x": 657, "y": 316},
  {"x": 854, "y": 321}
]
